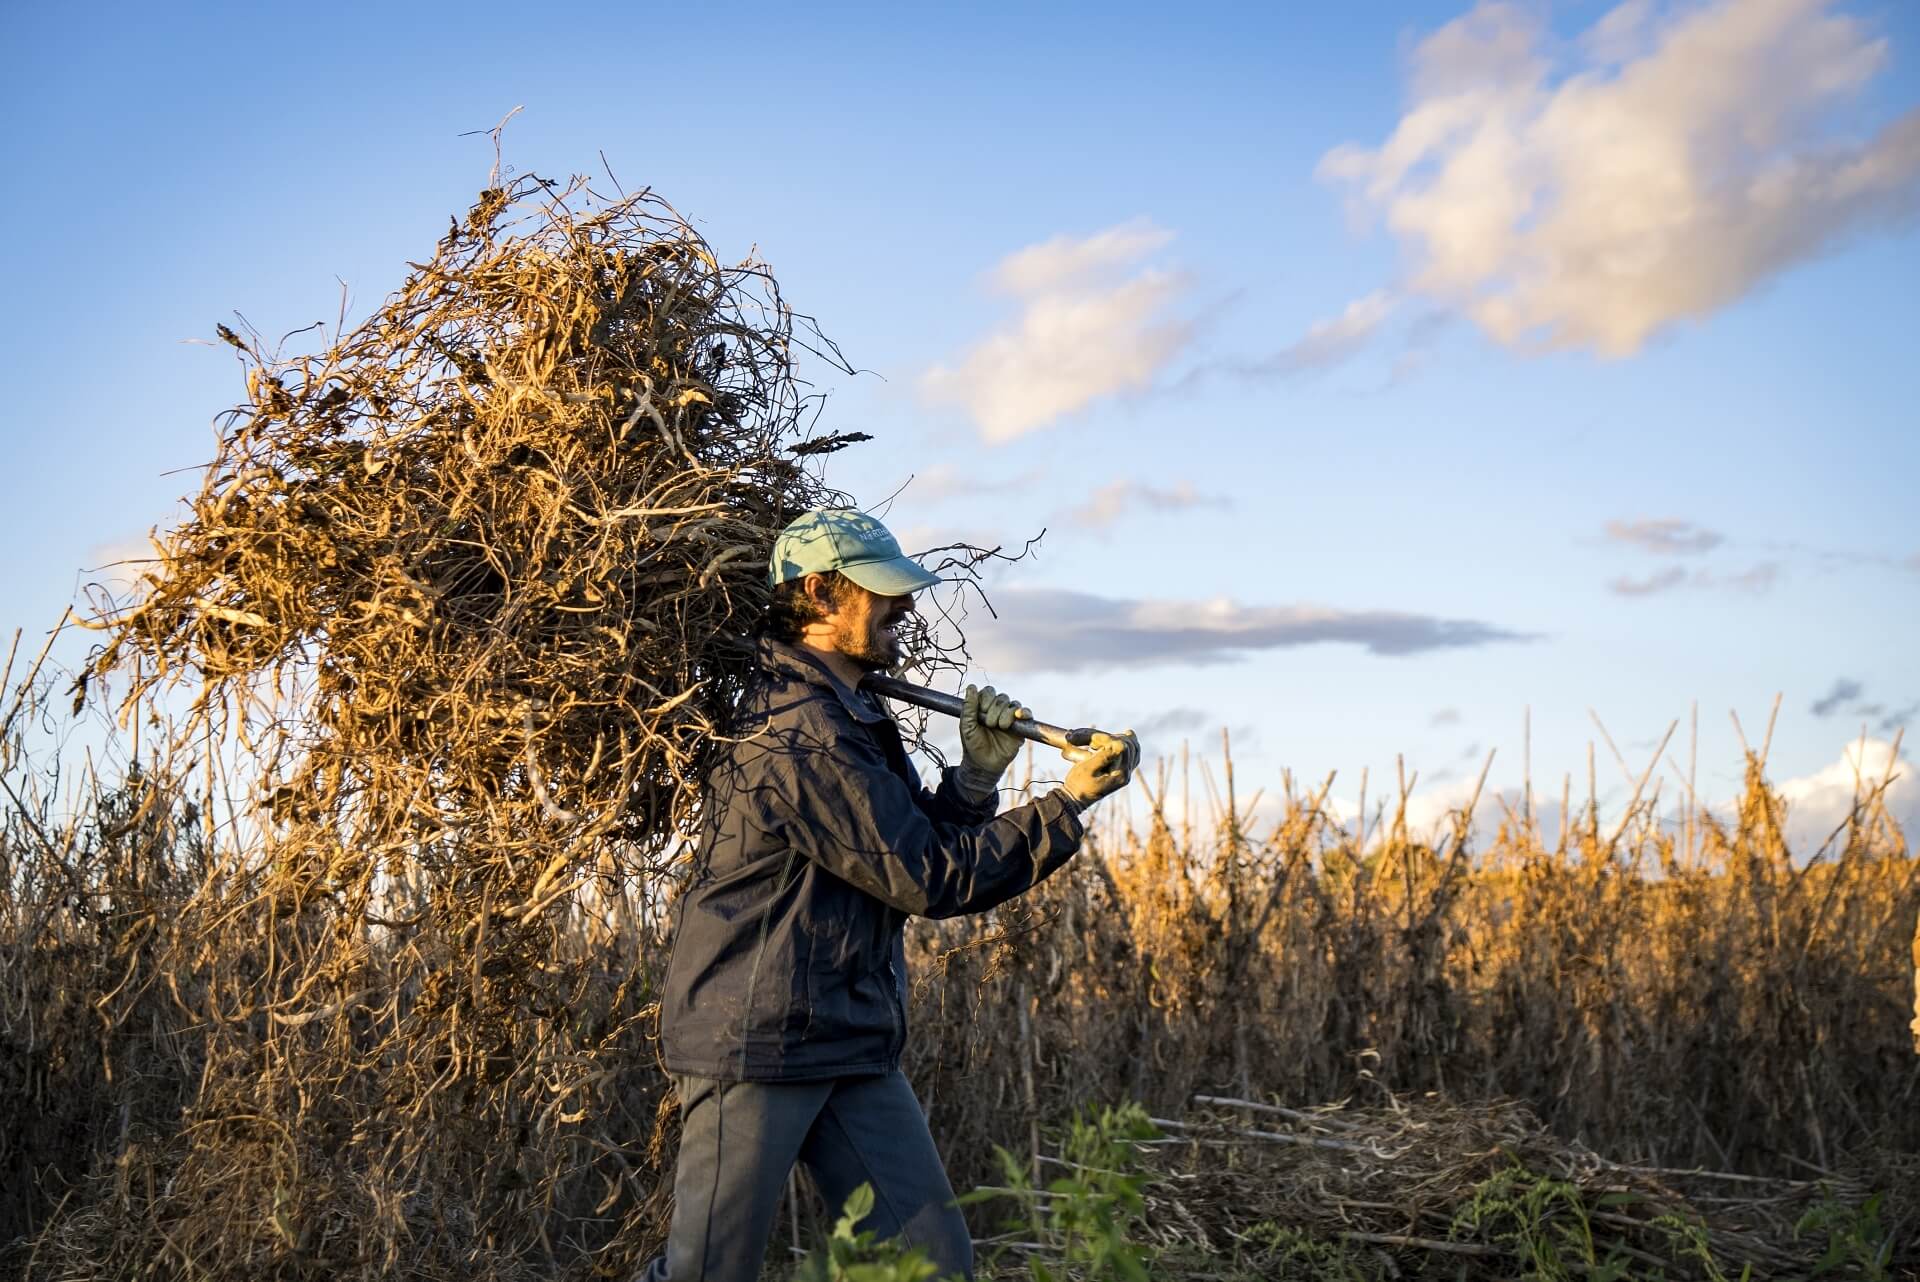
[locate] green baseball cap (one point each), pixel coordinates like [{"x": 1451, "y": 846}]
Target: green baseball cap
[{"x": 851, "y": 542}]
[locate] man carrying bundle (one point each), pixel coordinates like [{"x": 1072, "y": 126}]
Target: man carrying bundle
[{"x": 784, "y": 1010}]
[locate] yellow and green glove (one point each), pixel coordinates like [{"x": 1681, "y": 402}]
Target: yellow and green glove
[{"x": 1104, "y": 766}]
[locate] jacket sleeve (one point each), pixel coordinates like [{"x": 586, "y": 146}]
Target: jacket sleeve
[
  {"x": 829, "y": 794},
  {"x": 947, "y": 804}
]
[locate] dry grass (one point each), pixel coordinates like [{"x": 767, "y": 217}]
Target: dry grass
[
  {"x": 353, "y": 973},
  {"x": 1735, "y": 1006},
  {"x": 1741, "y": 1010},
  {"x": 447, "y": 636},
  {"x": 1731, "y": 1008},
  {"x": 464, "y": 596}
]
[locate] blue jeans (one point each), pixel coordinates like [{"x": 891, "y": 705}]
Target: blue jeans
[{"x": 738, "y": 1141}]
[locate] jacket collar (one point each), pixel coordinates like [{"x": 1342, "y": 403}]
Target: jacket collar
[{"x": 802, "y": 664}]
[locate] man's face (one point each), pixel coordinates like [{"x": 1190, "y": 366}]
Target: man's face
[{"x": 866, "y": 627}]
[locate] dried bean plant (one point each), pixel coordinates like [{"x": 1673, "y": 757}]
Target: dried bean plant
[{"x": 470, "y": 590}]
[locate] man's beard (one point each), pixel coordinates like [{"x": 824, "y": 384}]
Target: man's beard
[{"x": 874, "y": 653}]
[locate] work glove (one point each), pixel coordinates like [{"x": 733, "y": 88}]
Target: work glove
[
  {"x": 987, "y": 746},
  {"x": 1103, "y": 766}
]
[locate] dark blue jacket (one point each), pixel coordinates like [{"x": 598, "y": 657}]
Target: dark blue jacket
[{"x": 818, "y": 843}]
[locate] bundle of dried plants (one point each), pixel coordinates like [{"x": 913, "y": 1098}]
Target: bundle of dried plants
[{"x": 467, "y": 597}]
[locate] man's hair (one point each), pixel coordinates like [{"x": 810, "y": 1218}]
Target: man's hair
[{"x": 790, "y": 610}]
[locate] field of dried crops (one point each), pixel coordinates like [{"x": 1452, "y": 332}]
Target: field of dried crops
[
  {"x": 1348, "y": 1049},
  {"x": 1619, "y": 998},
  {"x": 334, "y": 891}
]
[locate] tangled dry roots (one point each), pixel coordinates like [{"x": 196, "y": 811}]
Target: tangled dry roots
[{"x": 472, "y": 590}]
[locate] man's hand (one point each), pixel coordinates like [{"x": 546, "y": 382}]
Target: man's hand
[
  {"x": 987, "y": 747},
  {"x": 1103, "y": 766}
]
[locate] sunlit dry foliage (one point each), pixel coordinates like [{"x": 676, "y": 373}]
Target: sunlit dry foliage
[
  {"x": 471, "y": 587},
  {"x": 351, "y": 974}
]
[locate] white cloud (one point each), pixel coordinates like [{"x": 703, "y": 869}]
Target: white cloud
[
  {"x": 1621, "y": 35},
  {"x": 1082, "y": 332},
  {"x": 1431, "y": 806},
  {"x": 1067, "y": 262},
  {"x": 1681, "y": 164},
  {"x": 1054, "y": 630},
  {"x": 1817, "y": 803},
  {"x": 1109, "y": 503},
  {"x": 1434, "y": 798}
]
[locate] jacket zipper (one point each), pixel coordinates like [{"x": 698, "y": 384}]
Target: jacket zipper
[{"x": 896, "y": 1004}]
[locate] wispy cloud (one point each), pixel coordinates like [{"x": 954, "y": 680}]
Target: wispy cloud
[
  {"x": 1754, "y": 579},
  {"x": 1844, "y": 696},
  {"x": 1109, "y": 503},
  {"x": 1091, "y": 323},
  {"x": 1050, "y": 629},
  {"x": 1898, "y": 718},
  {"x": 1666, "y": 536},
  {"x": 1333, "y": 340},
  {"x": 1654, "y": 584},
  {"x": 1173, "y": 721},
  {"x": 1845, "y": 690},
  {"x": 1913, "y": 563},
  {"x": 945, "y": 481},
  {"x": 1445, "y": 717},
  {"x": 1676, "y": 165}
]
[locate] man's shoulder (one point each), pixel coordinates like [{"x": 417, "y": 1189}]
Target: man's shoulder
[{"x": 779, "y": 704}]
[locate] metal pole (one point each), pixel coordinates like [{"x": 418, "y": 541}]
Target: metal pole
[{"x": 951, "y": 704}]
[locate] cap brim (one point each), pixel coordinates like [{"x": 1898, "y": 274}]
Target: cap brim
[{"x": 894, "y": 577}]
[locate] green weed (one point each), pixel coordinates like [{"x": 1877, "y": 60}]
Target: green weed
[
  {"x": 853, "y": 1254},
  {"x": 1287, "y": 1254},
  {"x": 1857, "y": 1245},
  {"x": 1084, "y": 1220},
  {"x": 1545, "y": 1223}
]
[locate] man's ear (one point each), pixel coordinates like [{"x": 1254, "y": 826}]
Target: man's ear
[{"x": 818, "y": 590}]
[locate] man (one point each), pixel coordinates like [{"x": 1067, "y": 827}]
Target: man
[{"x": 783, "y": 1014}]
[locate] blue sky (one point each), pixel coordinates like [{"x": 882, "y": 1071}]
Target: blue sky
[{"x": 1602, "y": 370}]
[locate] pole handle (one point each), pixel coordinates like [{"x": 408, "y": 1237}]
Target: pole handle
[{"x": 951, "y": 704}]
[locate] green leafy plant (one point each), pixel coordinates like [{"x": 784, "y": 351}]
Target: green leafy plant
[
  {"x": 1546, "y": 1224},
  {"x": 854, "y": 1254},
  {"x": 1084, "y": 1219},
  {"x": 1689, "y": 1241},
  {"x": 1858, "y": 1246},
  {"x": 1288, "y": 1254}
]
